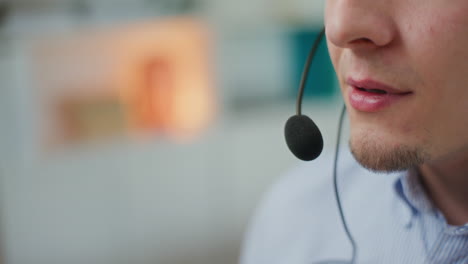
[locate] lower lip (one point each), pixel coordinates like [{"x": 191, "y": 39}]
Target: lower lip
[{"x": 372, "y": 102}]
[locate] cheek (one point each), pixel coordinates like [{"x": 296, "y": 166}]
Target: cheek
[
  {"x": 436, "y": 45},
  {"x": 436, "y": 41}
]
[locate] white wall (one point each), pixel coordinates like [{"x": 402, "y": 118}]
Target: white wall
[{"x": 153, "y": 201}]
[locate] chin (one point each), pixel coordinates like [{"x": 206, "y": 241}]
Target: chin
[{"x": 380, "y": 154}]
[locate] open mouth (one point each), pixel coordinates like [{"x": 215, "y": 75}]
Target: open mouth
[
  {"x": 376, "y": 91},
  {"x": 375, "y": 88},
  {"x": 371, "y": 96}
]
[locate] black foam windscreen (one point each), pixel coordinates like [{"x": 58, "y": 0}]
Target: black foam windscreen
[{"x": 303, "y": 137}]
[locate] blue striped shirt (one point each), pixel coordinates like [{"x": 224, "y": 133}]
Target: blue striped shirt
[{"x": 389, "y": 216}]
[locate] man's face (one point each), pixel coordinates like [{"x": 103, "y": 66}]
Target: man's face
[{"x": 403, "y": 71}]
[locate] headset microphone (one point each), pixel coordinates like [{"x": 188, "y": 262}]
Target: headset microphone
[
  {"x": 305, "y": 141},
  {"x": 303, "y": 137}
]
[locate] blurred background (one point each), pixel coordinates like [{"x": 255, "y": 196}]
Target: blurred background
[{"x": 146, "y": 131}]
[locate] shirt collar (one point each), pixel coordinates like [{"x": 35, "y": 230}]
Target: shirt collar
[
  {"x": 414, "y": 193},
  {"x": 410, "y": 192}
]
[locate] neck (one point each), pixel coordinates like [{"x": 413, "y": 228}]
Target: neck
[{"x": 446, "y": 183}]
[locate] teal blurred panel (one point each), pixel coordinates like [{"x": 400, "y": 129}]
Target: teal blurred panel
[{"x": 321, "y": 81}]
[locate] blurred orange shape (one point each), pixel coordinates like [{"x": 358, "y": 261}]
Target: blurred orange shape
[{"x": 156, "y": 75}]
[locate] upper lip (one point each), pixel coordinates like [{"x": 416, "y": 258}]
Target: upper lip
[{"x": 370, "y": 84}]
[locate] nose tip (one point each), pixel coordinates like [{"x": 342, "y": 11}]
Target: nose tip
[{"x": 350, "y": 24}]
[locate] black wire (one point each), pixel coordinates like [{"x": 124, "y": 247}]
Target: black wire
[
  {"x": 338, "y": 201},
  {"x": 303, "y": 83},
  {"x": 305, "y": 73},
  {"x": 335, "y": 184}
]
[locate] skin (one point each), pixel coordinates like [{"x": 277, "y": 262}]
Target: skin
[{"x": 416, "y": 46}]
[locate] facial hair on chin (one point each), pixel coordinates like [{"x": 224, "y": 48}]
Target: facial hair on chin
[{"x": 378, "y": 157}]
